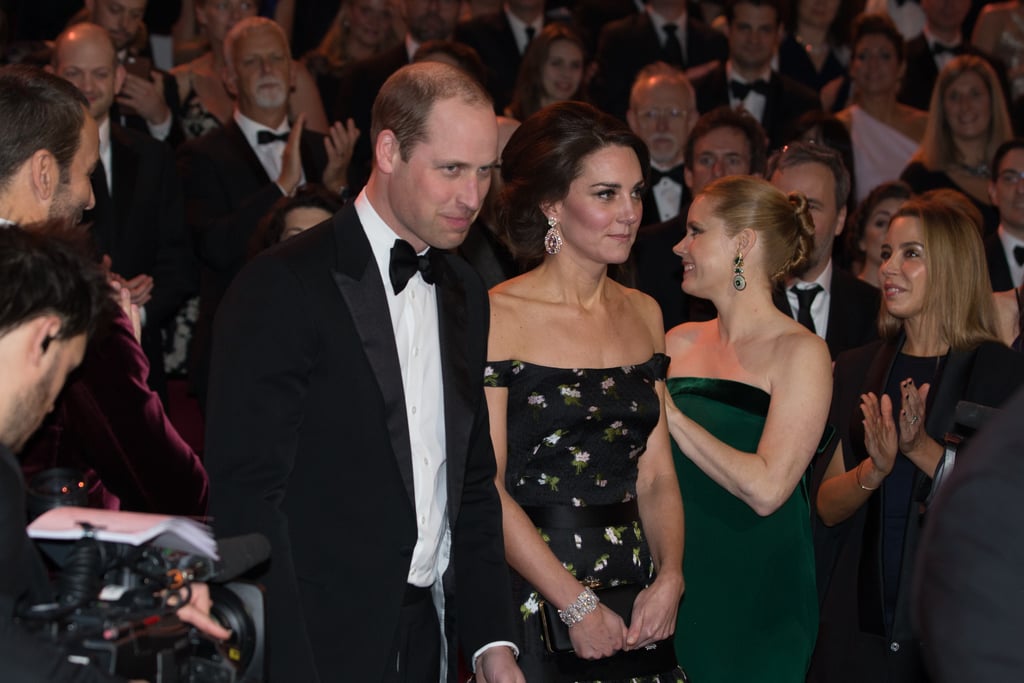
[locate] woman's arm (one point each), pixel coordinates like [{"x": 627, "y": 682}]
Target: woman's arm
[{"x": 801, "y": 390}]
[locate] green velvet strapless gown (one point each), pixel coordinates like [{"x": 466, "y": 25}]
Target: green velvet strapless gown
[{"x": 750, "y": 610}]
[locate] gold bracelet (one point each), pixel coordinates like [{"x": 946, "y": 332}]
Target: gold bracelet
[{"x": 857, "y": 475}]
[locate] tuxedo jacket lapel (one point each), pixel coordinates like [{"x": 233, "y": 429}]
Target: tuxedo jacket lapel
[
  {"x": 125, "y": 161},
  {"x": 245, "y": 152},
  {"x": 362, "y": 288}
]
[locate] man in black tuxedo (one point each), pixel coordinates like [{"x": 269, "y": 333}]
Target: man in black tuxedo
[
  {"x": 138, "y": 221},
  {"x": 723, "y": 142},
  {"x": 347, "y": 419},
  {"x": 664, "y": 32},
  {"x": 501, "y": 39},
  {"x": 234, "y": 174},
  {"x": 940, "y": 41},
  {"x": 359, "y": 84},
  {"x": 826, "y": 299},
  {"x": 662, "y": 110},
  {"x": 747, "y": 79},
  {"x": 1004, "y": 249}
]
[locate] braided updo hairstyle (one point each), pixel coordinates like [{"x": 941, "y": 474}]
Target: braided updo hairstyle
[{"x": 783, "y": 223}]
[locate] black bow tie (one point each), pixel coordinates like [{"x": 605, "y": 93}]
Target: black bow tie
[
  {"x": 1018, "y": 255},
  {"x": 741, "y": 90},
  {"x": 265, "y": 137},
  {"x": 405, "y": 263},
  {"x": 675, "y": 174},
  {"x": 939, "y": 48}
]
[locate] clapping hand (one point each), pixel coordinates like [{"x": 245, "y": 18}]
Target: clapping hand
[
  {"x": 339, "y": 143},
  {"x": 145, "y": 97},
  {"x": 291, "y": 158},
  {"x": 880, "y": 438},
  {"x": 912, "y": 415}
]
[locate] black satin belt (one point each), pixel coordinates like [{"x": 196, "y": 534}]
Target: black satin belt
[{"x": 571, "y": 517}]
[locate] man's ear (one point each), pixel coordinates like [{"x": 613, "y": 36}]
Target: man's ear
[
  {"x": 230, "y": 79},
  {"x": 840, "y": 221},
  {"x": 688, "y": 177},
  {"x": 44, "y": 175},
  {"x": 42, "y": 331},
  {"x": 387, "y": 151}
]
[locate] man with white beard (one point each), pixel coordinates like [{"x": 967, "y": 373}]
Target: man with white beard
[{"x": 233, "y": 175}]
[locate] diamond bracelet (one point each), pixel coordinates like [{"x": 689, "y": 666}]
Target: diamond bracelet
[{"x": 584, "y": 604}]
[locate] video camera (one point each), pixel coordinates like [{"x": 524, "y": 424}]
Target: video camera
[{"x": 116, "y": 602}]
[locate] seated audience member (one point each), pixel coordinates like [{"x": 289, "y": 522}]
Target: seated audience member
[
  {"x": 865, "y": 231},
  {"x": 551, "y": 71},
  {"x": 747, "y": 81},
  {"x": 138, "y": 223},
  {"x": 107, "y": 422},
  {"x": 46, "y": 324},
  {"x": 207, "y": 102},
  {"x": 822, "y": 128},
  {"x": 826, "y": 299},
  {"x": 1000, "y": 33},
  {"x": 939, "y": 43},
  {"x": 967, "y": 121},
  {"x": 893, "y": 402},
  {"x": 885, "y": 132},
  {"x": 234, "y": 174},
  {"x": 1004, "y": 249},
  {"x": 502, "y": 39},
  {"x": 289, "y": 216},
  {"x": 906, "y": 14},
  {"x": 662, "y": 111},
  {"x": 664, "y": 31},
  {"x": 723, "y": 142},
  {"x": 814, "y": 51}
]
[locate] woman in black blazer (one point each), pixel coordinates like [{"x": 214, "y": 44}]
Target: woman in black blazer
[{"x": 893, "y": 402}]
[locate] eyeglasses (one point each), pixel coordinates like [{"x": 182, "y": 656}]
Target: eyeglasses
[
  {"x": 653, "y": 114},
  {"x": 1010, "y": 177},
  {"x": 228, "y": 5}
]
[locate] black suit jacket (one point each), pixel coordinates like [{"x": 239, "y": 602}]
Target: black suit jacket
[
  {"x": 921, "y": 74},
  {"x": 852, "y": 313},
  {"x": 629, "y": 44},
  {"x": 308, "y": 443},
  {"x": 227, "y": 192},
  {"x": 141, "y": 226},
  {"x": 998, "y": 268},
  {"x": 358, "y": 86},
  {"x": 787, "y": 101},
  {"x": 492, "y": 38},
  {"x": 968, "y": 600},
  {"x": 853, "y": 642}
]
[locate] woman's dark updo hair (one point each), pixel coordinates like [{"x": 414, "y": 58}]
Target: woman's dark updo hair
[
  {"x": 271, "y": 227},
  {"x": 783, "y": 223},
  {"x": 542, "y": 159}
]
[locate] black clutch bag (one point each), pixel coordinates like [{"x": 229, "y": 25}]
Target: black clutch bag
[{"x": 618, "y": 599}]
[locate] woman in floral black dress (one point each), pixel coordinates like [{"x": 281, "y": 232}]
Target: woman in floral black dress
[{"x": 576, "y": 399}]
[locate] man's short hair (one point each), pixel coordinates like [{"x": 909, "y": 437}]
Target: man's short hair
[
  {"x": 38, "y": 110},
  {"x": 247, "y": 25},
  {"x": 726, "y": 117},
  {"x": 406, "y": 99},
  {"x": 730, "y": 8},
  {"x": 54, "y": 276},
  {"x": 799, "y": 153},
  {"x": 1002, "y": 151}
]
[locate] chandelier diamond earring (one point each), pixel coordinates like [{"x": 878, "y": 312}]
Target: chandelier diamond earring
[
  {"x": 738, "y": 281},
  {"x": 552, "y": 238}
]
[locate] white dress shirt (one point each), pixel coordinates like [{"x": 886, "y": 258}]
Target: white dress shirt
[
  {"x": 754, "y": 103},
  {"x": 519, "y": 26},
  {"x": 1009, "y": 242},
  {"x": 822, "y": 302},
  {"x": 269, "y": 154},
  {"x": 659, "y": 27}
]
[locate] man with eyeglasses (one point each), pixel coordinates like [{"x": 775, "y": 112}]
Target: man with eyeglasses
[
  {"x": 1004, "y": 249},
  {"x": 662, "y": 110},
  {"x": 723, "y": 142}
]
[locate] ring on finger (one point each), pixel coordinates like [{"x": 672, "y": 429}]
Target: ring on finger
[{"x": 914, "y": 419}]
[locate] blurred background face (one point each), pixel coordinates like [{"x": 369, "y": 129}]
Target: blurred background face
[
  {"x": 662, "y": 115},
  {"x": 722, "y": 152},
  {"x": 753, "y": 36},
  {"x": 876, "y": 66},
  {"x": 968, "y": 106},
  {"x": 562, "y": 71},
  {"x": 262, "y": 67},
  {"x": 219, "y": 16},
  {"x": 875, "y": 230},
  {"x": 90, "y": 64},
  {"x": 431, "y": 19},
  {"x": 817, "y": 13},
  {"x": 121, "y": 18},
  {"x": 815, "y": 181},
  {"x": 369, "y": 21},
  {"x": 302, "y": 219},
  {"x": 1007, "y": 190},
  {"x": 946, "y": 15}
]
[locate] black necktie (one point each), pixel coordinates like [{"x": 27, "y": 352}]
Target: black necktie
[
  {"x": 405, "y": 262},
  {"x": 530, "y": 33},
  {"x": 265, "y": 137},
  {"x": 939, "y": 48},
  {"x": 740, "y": 90},
  {"x": 673, "y": 50},
  {"x": 1018, "y": 254},
  {"x": 805, "y": 297},
  {"x": 674, "y": 174}
]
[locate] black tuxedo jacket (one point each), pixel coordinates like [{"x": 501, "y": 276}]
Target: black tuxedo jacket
[
  {"x": 492, "y": 38},
  {"x": 227, "y": 192},
  {"x": 358, "y": 86},
  {"x": 651, "y": 214},
  {"x": 921, "y": 74},
  {"x": 998, "y": 268},
  {"x": 787, "y": 101},
  {"x": 852, "y": 312},
  {"x": 853, "y": 642},
  {"x": 629, "y": 44},
  {"x": 308, "y": 443},
  {"x": 140, "y": 224}
]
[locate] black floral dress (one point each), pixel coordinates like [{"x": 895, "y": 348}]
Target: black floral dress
[{"x": 574, "y": 439}]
